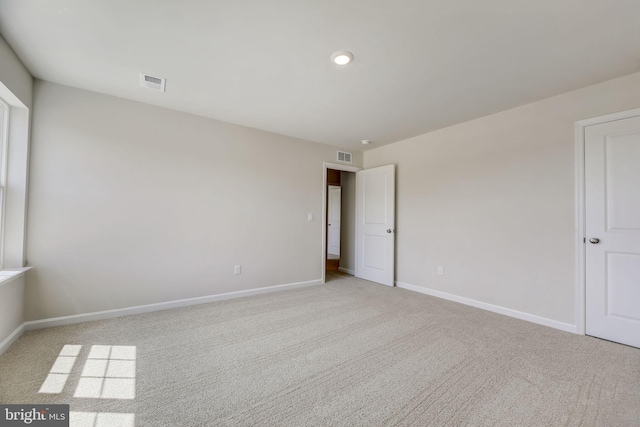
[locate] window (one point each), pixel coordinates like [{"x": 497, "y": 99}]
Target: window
[
  {"x": 4, "y": 135},
  {"x": 14, "y": 165}
]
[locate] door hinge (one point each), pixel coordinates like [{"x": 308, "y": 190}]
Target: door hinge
[{"x": 584, "y": 240}]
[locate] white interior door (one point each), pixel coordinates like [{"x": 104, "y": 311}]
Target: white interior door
[
  {"x": 335, "y": 197},
  {"x": 612, "y": 218},
  {"x": 375, "y": 224}
]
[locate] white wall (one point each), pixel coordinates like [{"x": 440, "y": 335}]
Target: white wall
[
  {"x": 492, "y": 201},
  {"x": 14, "y": 76},
  {"x": 132, "y": 204},
  {"x": 16, "y": 85},
  {"x": 11, "y": 308}
]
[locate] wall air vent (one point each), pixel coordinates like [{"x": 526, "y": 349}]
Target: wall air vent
[
  {"x": 344, "y": 157},
  {"x": 150, "y": 82}
]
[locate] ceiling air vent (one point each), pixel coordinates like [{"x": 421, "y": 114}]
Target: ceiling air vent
[
  {"x": 150, "y": 82},
  {"x": 344, "y": 157}
]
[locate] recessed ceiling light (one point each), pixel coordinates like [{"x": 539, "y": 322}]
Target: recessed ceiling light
[
  {"x": 366, "y": 141},
  {"x": 342, "y": 57}
]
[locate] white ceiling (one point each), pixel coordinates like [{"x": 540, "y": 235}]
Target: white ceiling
[{"x": 419, "y": 65}]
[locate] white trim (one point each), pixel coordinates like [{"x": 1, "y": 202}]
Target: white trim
[
  {"x": 4, "y": 147},
  {"x": 567, "y": 327},
  {"x": 9, "y": 275},
  {"x": 4, "y": 346},
  {"x": 579, "y": 232},
  {"x": 325, "y": 167},
  {"x": 147, "y": 308},
  {"x": 339, "y": 167},
  {"x": 346, "y": 270},
  {"x": 580, "y": 278},
  {"x": 609, "y": 118}
]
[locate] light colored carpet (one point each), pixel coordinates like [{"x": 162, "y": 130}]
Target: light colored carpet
[{"x": 349, "y": 353}]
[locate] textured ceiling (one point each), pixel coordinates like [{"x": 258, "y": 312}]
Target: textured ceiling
[{"x": 419, "y": 65}]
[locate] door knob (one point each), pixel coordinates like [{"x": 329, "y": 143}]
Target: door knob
[
  {"x": 594, "y": 240},
  {"x": 389, "y": 230}
]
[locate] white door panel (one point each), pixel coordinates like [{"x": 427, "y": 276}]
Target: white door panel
[
  {"x": 375, "y": 214},
  {"x": 612, "y": 201},
  {"x": 622, "y": 290},
  {"x": 335, "y": 196}
]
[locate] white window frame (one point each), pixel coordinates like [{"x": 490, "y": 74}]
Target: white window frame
[{"x": 5, "y": 111}]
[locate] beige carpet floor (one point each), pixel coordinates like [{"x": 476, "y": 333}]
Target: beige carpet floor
[{"x": 349, "y": 353}]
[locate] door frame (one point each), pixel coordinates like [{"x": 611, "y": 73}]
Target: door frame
[
  {"x": 580, "y": 211},
  {"x": 326, "y": 166}
]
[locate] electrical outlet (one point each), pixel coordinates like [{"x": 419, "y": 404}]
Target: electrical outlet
[
  {"x": 440, "y": 270},
  {"x": 236, "y": 269}
]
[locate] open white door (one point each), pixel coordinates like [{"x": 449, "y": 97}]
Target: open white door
[
  {"x": 375, "y": 224},
  {"x": 612, "y": 176}
]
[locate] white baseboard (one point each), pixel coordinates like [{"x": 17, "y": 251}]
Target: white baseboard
[
  {"x": 567, "y": 327},
  {"x": 108, "y": 314},
  {"x": 4, "y": 346},
  {"x": 346, "y": 270}
]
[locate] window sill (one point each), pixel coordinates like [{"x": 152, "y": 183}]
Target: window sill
[{"x": 10, "y": 274}]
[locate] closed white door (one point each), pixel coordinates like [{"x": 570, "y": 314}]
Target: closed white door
[
  {"x": 612, "y": 218},
  {"x": 335, "y": 197},
  {"x": 375, "y": 224}
]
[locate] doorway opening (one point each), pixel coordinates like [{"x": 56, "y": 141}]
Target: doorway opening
[
  {"x": 334, "y": 215},
  {"x": 339, "y": 221}
]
